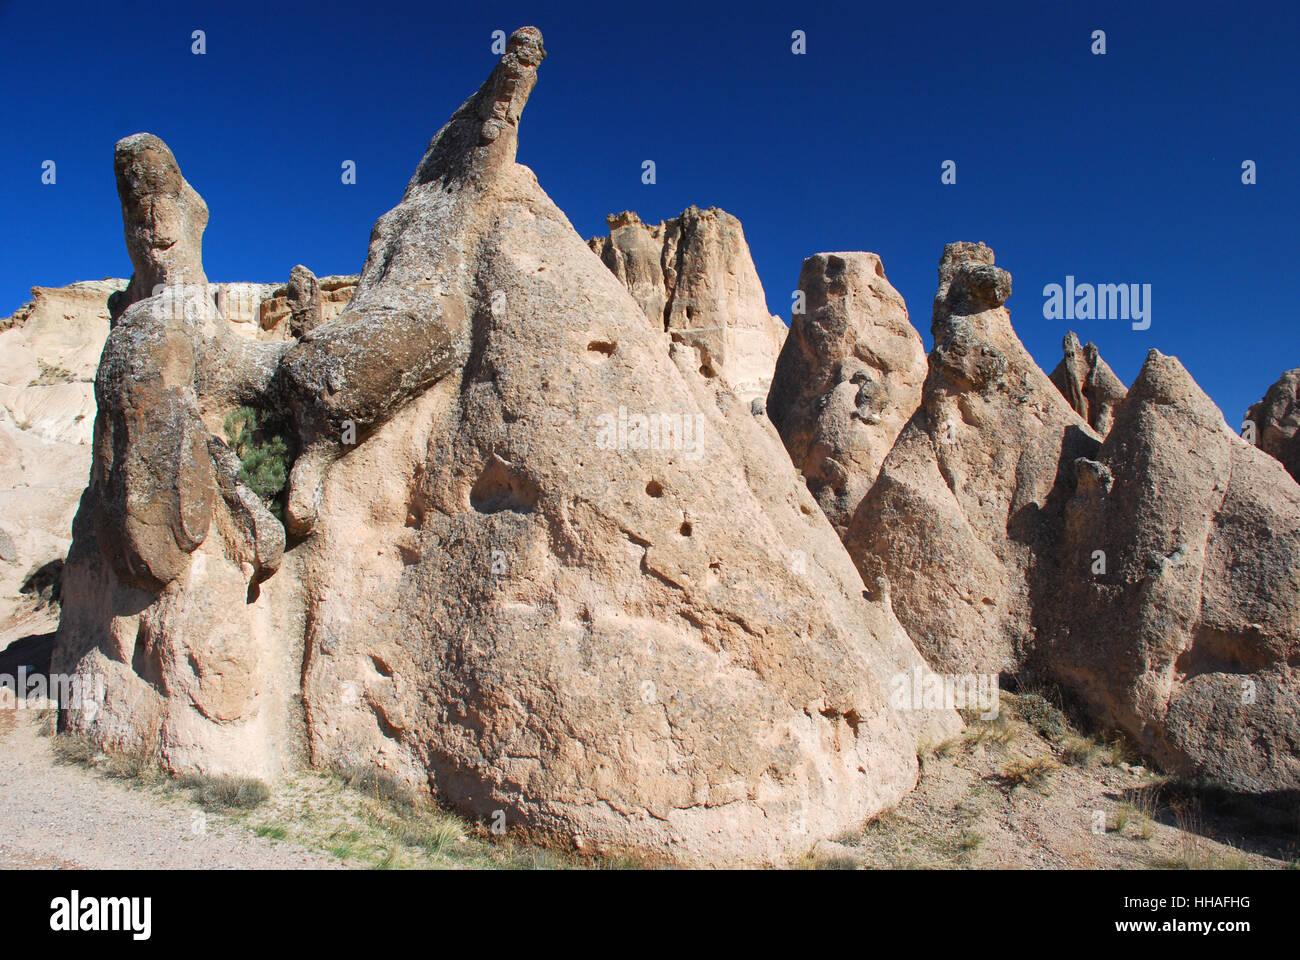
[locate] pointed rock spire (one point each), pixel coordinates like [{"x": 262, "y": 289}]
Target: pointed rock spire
[
  {"x": 1277, "y": 421},
  {"x": 963, "y": 514},
  {"x": 693, "y": 277},
  {"x": 1177, "y": 611},
  {"x": 163, "y": 218},
  {"x": 1088, "y": 383},
  {"x": 848, "y": 378}
]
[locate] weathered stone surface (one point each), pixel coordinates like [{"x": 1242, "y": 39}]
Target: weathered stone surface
[
  {"x": 163, "y": 218},
  {"x": 694, "y": 275},
  {"x": 848, "y": 378},
  {"x": 48, "y": 352},
  {"x": 506, "y": 591},
  {"x": 303, "y": 294},
  {"x": 1154, "y": 576},
  {"x": 169, "y": 546},
  {"x": 961, "y": 520},
  {"x": 1277, "y": 421},
  {"x": 634, "y": 251},
  {"x": 242, "y": 305},
  {"x": 1088, "y": 383},
  {"x": 333, "y": 294},
  {"x": 1184, "y": 630},
  {"x": 606, "y": 615},
  {"x": 151, "y": 469}
]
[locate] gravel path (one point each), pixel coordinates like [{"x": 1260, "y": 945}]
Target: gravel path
[{"x": 63, "y": 816}]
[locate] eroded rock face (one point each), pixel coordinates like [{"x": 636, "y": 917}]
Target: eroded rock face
[
  {"x": 848, "y": 378},
  {"x": 693, "y": 275},
  {"x": 1088, "y": 383},
  {"x": 169, "y": 544},
  {"x": 554, "y": 573},
  {"x": 1277, "y": 421},
  {"x": 49, "y": 352},
  {"x": 286, "y": 314},
  {"x": 1179, "y": 607},
  {"x": 163, "y": 217},
  {"x": 960, "y": 523}
]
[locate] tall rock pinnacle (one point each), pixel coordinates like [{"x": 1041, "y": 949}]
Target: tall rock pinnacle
[
  {"x": 848, "y": 378},
  {"x": 163, "y": 218}
]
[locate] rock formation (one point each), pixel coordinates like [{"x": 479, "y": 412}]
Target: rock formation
[
  {"x": 516, "y": 536},
  {"x": 550, "y": 565},
  {"x": 1178, "y": 607},
  {"x": 848, "y": 378},
  {"x": 48, "y": 352},
  {"x": 1154, "y": 577},
  {"x": 1277, "y": 421},
  {"x": 959, "y": 524},
  {"x": 1088, "y": 383},
  {"x": 692, "y": 276},
  {"x": 163, "y": 218},
  {"x": 304, "y": 303}
]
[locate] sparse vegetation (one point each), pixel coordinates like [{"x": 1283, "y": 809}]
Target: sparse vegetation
[
  {"x": 370, "y": 819},
  {"x": 50, "y": 374},
  {"x": 263, "y": 456},
  {"x": 1118, "y": 751},
  {"x": 1028, "y": 771},
  {"x": 998, "y": 732},
  {"x": 1039, "y": 712},
  {"x": 1078, "y": 751},
  {"x": 227, "y": 792}
]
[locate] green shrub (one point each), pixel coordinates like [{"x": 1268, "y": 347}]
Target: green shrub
[
  {"x": 1041, "y": 714},
  {"x": 264, "y": 460}
]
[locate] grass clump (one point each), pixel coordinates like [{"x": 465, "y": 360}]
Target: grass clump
[
  {"x": 1028, "y": 771},
  {"x": 999, "y": 732},
  {"x": 1078, "y": 751},
  {"x": 227, "y": 793}
]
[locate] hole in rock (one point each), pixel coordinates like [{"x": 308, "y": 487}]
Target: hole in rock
[
  {"x": 686, "y": 529},
  {"x": 654, "y": 489},
  {"x": 501, "y": 487},
  {"x": 604, "y": 348}
]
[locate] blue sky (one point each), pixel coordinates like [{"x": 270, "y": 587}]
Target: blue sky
[{"x": 1122, "y": 168}]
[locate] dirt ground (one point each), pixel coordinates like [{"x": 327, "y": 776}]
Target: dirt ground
[{"x": 1027, "y": 791}]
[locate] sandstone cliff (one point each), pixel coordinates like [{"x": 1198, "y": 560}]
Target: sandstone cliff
[{"x": 49, "y": 349}]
